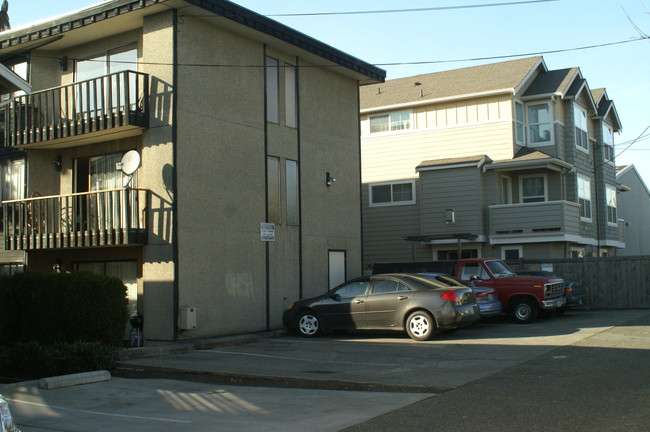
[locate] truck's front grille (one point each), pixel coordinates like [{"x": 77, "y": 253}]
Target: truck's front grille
[{"x": 555, "y": 289}]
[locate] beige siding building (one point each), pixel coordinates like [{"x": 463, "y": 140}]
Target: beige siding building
[
  {"x": 508, "y": 159},
  {"x": 183, "y": 146}
]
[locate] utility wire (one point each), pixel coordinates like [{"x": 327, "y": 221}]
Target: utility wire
[{"x": 441, "y": 8}]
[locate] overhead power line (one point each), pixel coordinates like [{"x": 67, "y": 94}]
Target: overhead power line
[{"x": 440, "y": 8}]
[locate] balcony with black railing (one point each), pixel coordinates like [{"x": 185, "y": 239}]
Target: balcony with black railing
[
  {"x": 77, "y": 113},
  {"x": 116, "y": 217}
]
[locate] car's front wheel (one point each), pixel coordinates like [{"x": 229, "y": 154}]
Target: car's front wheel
[
  {"x": 420, "y": 326},
  {"x": 524, "y": 311},
  {"x": 308, "y": 324}
]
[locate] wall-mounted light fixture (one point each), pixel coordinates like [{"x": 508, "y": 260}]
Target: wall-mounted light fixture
[
  {"x": 329, "y": 179},
  {"x": 57, "y": 163},
  {"x": 450, "y": 216}
]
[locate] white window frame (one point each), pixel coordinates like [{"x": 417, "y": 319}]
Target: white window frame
[
  {"x": 608, "y": 144},
  {"x": 529, "y": 125},
  {"x": 610, "y": 197},
  {"x": 583, "y": 199},
  {"x": 520, "y": 123},
  {"x": 521, "y": 188},
  {"x": 580, "y": 114},
  {"x": 392, "y": 202},
  {"x": 519, "y": 249},
  {"x": 391, "y": 122},
  {"x": 506, "y": 190}
]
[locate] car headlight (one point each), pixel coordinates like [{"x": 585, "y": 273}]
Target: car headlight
[{"x": 6, "y": 420}]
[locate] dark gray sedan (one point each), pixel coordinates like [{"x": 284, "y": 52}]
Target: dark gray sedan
[{"x": 406, "y": 302}]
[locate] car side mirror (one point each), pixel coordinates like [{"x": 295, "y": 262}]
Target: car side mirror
[
  {"x": 335, "y": 296},
  {"x": 475, "y": 278}
]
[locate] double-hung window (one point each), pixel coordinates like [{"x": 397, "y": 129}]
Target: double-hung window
[
  {"x": 395, "y": 121},
  {"x": 584, "y": 197},
  {"x": 539, "y": 123},
  {"x": 533, "y": 188},
  {"x": 612, "y": 213},
  {"x": 394, "y": 193},
  {"x": 608, "y": 144},
  {"x": 581, "y": 130}
]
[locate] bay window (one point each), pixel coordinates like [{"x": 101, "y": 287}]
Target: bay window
[{"x": 539, "y": 123}]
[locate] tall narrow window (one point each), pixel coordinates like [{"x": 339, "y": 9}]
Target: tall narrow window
[
  {"x": 290, "y": 99},
  {"x": 581, "y": 131},
  {"x": 608, "y": 144},
  {"x": 612, "y": 212},
  {"x": 520, "y": 134},
  {"x": 506, "y": 190},
  {"x": 273, "y": 185},
  {"x": 12, "y": 186},
  {"x": 293, "y": 197},
  {"x": 539, "y": 124},
  {"x": 272, "y": 90},
  {"x": 584, "y": 197}
]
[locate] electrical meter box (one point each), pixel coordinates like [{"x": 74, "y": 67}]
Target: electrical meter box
[{"x": 187, "y": 318}]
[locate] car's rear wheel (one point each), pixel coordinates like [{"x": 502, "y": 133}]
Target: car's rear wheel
[
  {"x": 524, "y": 311},
  {"x": 420, "y": 326},
  {"x": 308, "y": 324}
]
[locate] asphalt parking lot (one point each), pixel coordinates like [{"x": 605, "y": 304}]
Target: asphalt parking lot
[{"x": 298, "y": 384}]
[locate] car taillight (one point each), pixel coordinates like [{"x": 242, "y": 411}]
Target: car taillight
[
  {"x": 568, "y": 290},
  {"x": 450, "y": 296}
]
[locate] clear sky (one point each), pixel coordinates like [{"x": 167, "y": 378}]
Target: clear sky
[{"x": 453, "y": 33}]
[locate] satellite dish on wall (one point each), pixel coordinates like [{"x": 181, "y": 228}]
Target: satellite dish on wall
[{"x": 130, "y": 162}]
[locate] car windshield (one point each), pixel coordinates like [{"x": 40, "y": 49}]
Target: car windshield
[{"x": 499, "y": 269}]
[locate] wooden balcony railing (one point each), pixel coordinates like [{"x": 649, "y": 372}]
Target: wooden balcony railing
[
  {"x": 99, "y": 104},
  {"x": 105, "y": 218}
]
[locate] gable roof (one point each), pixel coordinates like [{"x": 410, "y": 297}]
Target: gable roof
[
  {"x": 493, "y": 78},
  {"x": 625, "y": 170},
  {"x": 552, "y": 82},
  {"x": 606, "y": 107},
  {"x": 101, "y": 20}
]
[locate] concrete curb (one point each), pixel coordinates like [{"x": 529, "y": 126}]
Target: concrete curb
[
  {"x": 187, "y": 346},
  {"x": 73, "y": 379}
]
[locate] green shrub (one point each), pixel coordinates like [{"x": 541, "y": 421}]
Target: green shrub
[
  {"x": 66, "y": 307},
  {"x": 33, "y": 360}
]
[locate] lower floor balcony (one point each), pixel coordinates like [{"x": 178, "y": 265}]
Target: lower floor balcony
[
  {"x": 540, "y": 219},
  {"x": 116, "y": 217}
]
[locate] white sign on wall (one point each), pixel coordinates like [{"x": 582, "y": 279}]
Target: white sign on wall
[{"x": 267, "y": 232}]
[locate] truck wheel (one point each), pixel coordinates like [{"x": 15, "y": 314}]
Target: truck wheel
[{"x": 524, "y": 311}]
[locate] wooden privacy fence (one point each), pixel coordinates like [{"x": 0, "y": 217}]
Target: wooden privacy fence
[{"x": 610, "y": 282}]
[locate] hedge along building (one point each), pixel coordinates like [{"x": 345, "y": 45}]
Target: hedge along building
[{"x": 234, "y": 123}]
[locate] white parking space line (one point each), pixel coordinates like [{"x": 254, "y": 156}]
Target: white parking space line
[
  {"x": 53, "y": 407},
  {"x": 296, "y": 359}
]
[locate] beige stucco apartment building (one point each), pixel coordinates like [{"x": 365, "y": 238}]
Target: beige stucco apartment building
[
  {"x": 186, "y": 147},
  {"x": 508, "y": 160}
]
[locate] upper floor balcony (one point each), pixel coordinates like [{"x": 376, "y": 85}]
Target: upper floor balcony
[
  {"x": 539, "y": 219},
  {"x": 78, "y": 113},
  {"x": 116, "y": 217}
]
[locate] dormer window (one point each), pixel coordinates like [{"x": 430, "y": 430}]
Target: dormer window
[
  {"x": 391, "y": 122},
  {"x": 581, "y": 130},
  {"x": 539, "y": 124}
]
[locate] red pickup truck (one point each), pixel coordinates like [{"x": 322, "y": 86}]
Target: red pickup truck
[{"x": 521, "y": 296}]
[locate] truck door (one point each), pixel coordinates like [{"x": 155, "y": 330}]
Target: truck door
[{"x": 470, "y": 270}]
